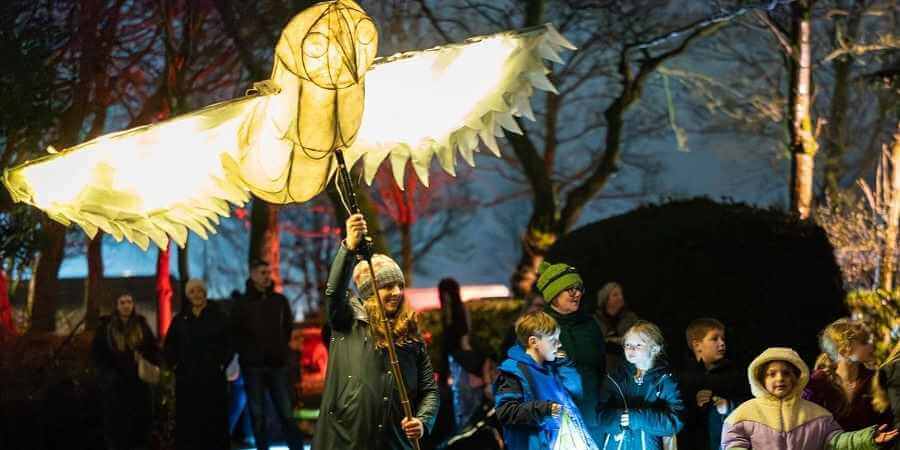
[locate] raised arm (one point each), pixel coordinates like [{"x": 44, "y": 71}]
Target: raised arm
[{"x": 340, "y": 313}]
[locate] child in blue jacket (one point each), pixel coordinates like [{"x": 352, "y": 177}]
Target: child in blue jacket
[
  {"x": 533, "y": 393},
  {"x": 640, "y": 403}
]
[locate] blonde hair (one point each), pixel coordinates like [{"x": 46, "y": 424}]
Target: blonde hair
[
  {"x": 405, "y": 324},
  {"x": 837, "y": 339},
  {"x": 880, "y": 400},
  {"x": 651, "y": 334},
  {"x": 537, "y": 323}
]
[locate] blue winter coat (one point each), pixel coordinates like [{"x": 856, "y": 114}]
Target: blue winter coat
[
  {"x": 524, "y": 393},
  {"x": 654, "y": 407}
]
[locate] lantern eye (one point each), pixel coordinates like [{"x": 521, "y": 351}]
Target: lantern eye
[
  {"x": 365, "y": 31},
  {"x": 315, "y": 45}
]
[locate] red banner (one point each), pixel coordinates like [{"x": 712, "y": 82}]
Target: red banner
[
  {"x": 163, "y": 294},
  {"x": 7, "y": 326}
]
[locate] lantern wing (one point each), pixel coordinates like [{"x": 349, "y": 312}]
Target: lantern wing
[
  {"x": 445, "y": 99},
  {"x": 148, "y": 183}
]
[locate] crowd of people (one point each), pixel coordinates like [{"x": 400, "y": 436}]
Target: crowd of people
[
  {"x": 222, "y": 361},
  {"x": 566, "y": 379}
]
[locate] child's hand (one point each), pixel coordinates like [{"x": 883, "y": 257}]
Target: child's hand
[
  {"x": 624, "y": 420},
  {"x": 414, "y": 428},
  {"x": 882, "y": 437},
  {"x": 704, "y": 397},
  {"x": 721, "y": 405},
  {"x": 556, "y": 410}
]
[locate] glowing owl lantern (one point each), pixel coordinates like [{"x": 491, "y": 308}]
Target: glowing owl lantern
[
  {"x": 319, "y": 75},
  {"x": 327, "y": 91}
]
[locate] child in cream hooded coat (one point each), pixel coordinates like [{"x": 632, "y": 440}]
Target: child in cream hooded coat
[{"x": 778, "y": 419}]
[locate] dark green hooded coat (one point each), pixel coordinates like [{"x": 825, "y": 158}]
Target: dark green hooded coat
[{"x": 360, "y": 405}]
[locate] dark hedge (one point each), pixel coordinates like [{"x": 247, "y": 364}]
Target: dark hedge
[{"x": 772, "y": 279}]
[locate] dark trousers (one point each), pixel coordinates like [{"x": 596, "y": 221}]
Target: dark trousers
[
  {"x": 126, "y": 413},
  {"x": 201, "y": 412},
  {"x": 258, "y": 381}
]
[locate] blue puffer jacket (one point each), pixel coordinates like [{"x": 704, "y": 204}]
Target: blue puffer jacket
[
  {"x": 524, "y": 393},
  {"x": 655, "y": 409}
]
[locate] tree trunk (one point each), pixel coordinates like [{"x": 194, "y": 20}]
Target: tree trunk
[
  {"x": 406, "y": 252},
  {"x": 889, "y": 255},
  {"x": 184, "y": 272},
  {"x": 29, "y": 298},
  {"x": 846, "y": 28},
  {"x": 46, "y": 278},
  {"x": 264, "y": 237},
  {"x": 803, "y": 144},
  {"x": 163, "y": 294},
  {"x": 93, "y": 285}
]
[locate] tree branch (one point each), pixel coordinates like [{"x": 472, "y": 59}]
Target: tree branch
[
  {"x": 631, "y": 92},
  {"x": 779, "y": 32}
]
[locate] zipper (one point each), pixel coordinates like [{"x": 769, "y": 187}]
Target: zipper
[
  {"x": 781, "y": 419},
  {"x": 624, "y": 402}
]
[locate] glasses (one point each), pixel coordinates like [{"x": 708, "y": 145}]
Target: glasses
[{"x": 577, "y": 289}]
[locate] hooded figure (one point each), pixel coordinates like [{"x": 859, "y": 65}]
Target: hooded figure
[{"x": 785, "y": 421}]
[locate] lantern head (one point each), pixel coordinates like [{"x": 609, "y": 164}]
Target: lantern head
[{"x": 330, "y": 44}]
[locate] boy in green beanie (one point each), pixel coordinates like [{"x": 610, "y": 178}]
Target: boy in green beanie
[{"x": 562, "y": 289}]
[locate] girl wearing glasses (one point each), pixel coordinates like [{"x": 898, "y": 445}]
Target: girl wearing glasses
[{"x": 640, "y": 403}]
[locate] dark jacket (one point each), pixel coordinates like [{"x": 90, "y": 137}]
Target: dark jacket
[
  {"x": 360, "y": 406},
  {"x": 890, "y": 382},
  {"x": 121, "y": 365},
  {"x": 524, "y": 393},
  {"x": 197, "y": 348},
  {"x": 126, "y": 401},
  {"x": 261, "y": 327},
  {"x": 655, "y": 408},
  {"x": 581, "y": 340},
  {"x": 703, "y": 426},
  {"x": 855, "y": 416}
]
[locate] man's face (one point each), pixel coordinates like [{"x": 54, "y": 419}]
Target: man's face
[{"x": 261, "y": 276}]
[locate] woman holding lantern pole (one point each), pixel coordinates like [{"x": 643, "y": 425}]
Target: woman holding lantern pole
[{"x": 361, "y": 403}]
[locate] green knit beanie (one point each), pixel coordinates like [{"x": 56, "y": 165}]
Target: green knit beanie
[{"x": 555, "y": 278}]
